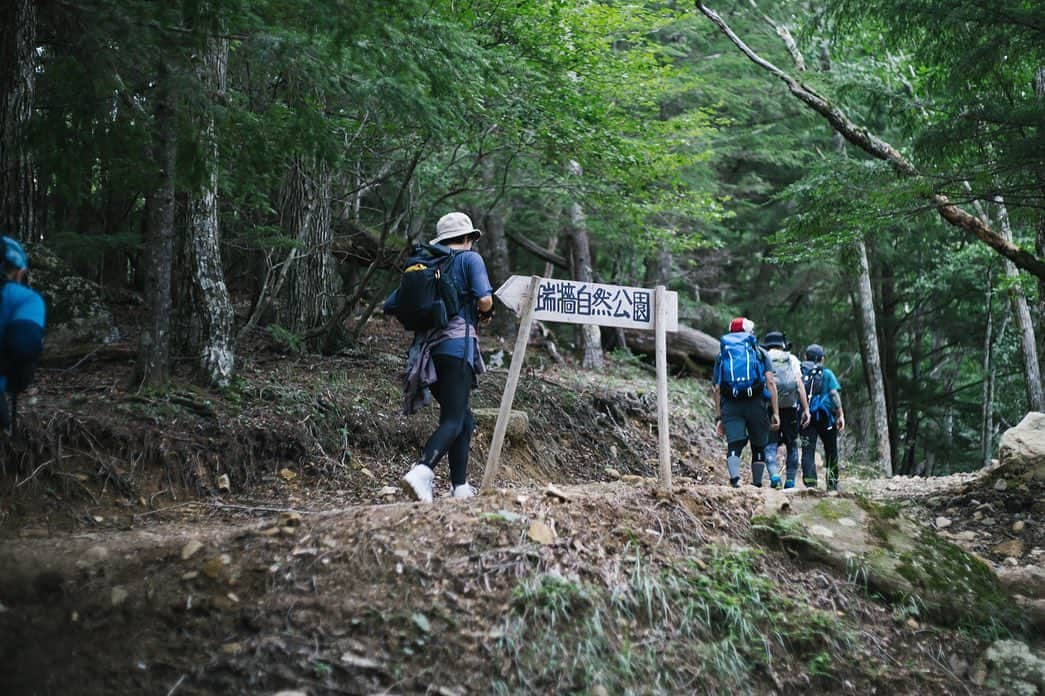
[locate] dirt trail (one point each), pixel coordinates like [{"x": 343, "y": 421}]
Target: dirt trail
[{"x": 400, "y": 597}]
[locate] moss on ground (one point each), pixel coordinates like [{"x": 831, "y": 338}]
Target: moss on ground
[{"x": 894, "y": 557}]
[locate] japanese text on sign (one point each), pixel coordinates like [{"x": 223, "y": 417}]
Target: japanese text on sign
[
  {"x": 594, "y": 301},
  {"x": 577, "y": 302}
]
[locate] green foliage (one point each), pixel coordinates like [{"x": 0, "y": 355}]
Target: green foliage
[{"x": 287, "y": 340}]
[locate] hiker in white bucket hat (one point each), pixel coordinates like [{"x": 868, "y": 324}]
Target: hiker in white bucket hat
[
  {"x": 447, "y": 360},
  {"x": 454, "y": 225}
]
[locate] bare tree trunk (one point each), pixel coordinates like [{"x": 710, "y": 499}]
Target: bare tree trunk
[
  {"x": 987, "y": 419},
  {"x": 889, "y": 328},
  {"x": 311, "y": 286},
  {"x": 1020, "y": 308},
  {"x": 658, "y": 268},
  {"x": 553, "y": 243},
  {"x": 214, "y": 309},
  {"x": 580, "y": 252},
  {"x": 913, "y": 421},
  {"x": 869, "y": 337},
  {"x": 495, "y": 250},
  {"x": 17, "y": 85},
  {"x": 153, "y": 366},
  {"x": 1039, "y": 246}
]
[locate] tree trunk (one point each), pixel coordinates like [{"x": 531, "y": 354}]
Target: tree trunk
[
  {"x": 553, "y": 244},
  {"x": 987, "y": 418},
  {"x": 913, "y": 421},
  {"x": 1039, "y": 246},
  {"x": 311, "y": 286},
  {"x": 17, "y": 84},
  {"x": 888, "y": 328},
  {"x": 214, "y": 308},
  {"x": 658, "y": 268},
  {"x": 1021, "y": 310},
  {"x": 869, "y": 337},
  {"x": 153, "y": 366},
  {"x": 495, "y": 253},
  {"x": 580, "y": 253},
  {"x": 989, "y": 390}
]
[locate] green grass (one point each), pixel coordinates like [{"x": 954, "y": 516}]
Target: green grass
[{"x": 712, "y": 625}]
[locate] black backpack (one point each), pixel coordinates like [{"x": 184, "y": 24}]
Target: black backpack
[
  {"x": 427, "y": 297},
  {"x": 812, "y": 378}
]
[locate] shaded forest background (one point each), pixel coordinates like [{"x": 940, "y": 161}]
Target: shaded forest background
[{"x": 257, "y": 169}]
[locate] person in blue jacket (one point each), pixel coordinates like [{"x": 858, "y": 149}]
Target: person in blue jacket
[
  {"x": 827, "y": 418},
  {"x": 446, "y": 361},
  {"x": 22, "y": 316}
]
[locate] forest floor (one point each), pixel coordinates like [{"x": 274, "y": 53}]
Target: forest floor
[{"x": 255, "y": 540}]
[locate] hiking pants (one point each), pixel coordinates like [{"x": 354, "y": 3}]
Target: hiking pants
[
  {"x": 746, "y": 420},
  {"x": 787, "y": 436},
  {"x": 819, "y": 427},
  {"x": 453, "y": 437}
]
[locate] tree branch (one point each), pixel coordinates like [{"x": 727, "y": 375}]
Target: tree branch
[
  {"x": 880, "y": 149},
  {"x": 539, "y": 251}
]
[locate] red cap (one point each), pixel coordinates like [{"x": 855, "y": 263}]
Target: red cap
[{"x": 741, "y": 324}]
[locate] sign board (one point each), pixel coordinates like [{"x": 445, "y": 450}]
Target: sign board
[{"x": 575, "y": 302}]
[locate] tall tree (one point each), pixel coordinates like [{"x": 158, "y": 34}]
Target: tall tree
[
  {"x": 580, "y": 259},
  {"x": 214, "y": 309},
  {"x": 312, "y": 284},
  {"x": 153, "y": 365},
  {"x": 17, "y": 86}
]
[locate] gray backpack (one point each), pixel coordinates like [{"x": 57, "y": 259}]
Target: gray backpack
[{"x": 786, "y": 379}]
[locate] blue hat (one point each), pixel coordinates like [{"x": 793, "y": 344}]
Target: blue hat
[
  {"x": 814, "y": 352},
  {"x": 14, "y": 254}
]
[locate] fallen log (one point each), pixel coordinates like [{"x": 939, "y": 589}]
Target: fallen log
[
  {"x": 688, "y": 346},
  {"x": 74, "y": 355}
]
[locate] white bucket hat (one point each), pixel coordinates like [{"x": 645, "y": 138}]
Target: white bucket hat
[{"x": 454, "y": 225}]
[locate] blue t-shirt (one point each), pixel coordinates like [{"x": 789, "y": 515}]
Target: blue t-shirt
[
  {"x": 830, "y": 382},
  {"x": 468, "y": 272},
  {"x": 22, "y": 315}
]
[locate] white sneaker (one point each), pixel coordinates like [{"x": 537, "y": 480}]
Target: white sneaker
[
  {"x": 418, "y": 483},
  {"x": 463, "y": 491}
]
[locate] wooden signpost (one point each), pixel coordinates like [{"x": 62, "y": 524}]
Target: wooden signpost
[{"x": 576, "y": 302}]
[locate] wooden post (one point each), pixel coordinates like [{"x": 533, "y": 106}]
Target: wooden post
[
  {"x": 493, "y": 459},
  {"x": 660, "y": 329}
]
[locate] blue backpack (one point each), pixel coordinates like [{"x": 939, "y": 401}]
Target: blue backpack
[{"x": 740, "y": 368}]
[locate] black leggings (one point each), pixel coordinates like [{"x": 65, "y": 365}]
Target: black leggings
[{"x": 453, "y": 437}]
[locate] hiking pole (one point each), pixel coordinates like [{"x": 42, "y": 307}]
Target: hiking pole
[{"x": 14, "y": 413}]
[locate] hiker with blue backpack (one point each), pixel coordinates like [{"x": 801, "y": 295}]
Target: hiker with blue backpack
[
  {"x": 827, "y": 418},
  {"x": 443, "y": 294},
  {"x": 21, "y": 330},
  {"x": 793, "y": 403},
  {"x": 744, "y": 383}
]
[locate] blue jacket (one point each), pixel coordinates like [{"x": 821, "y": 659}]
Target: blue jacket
[{"x": 22, "y": 317}]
